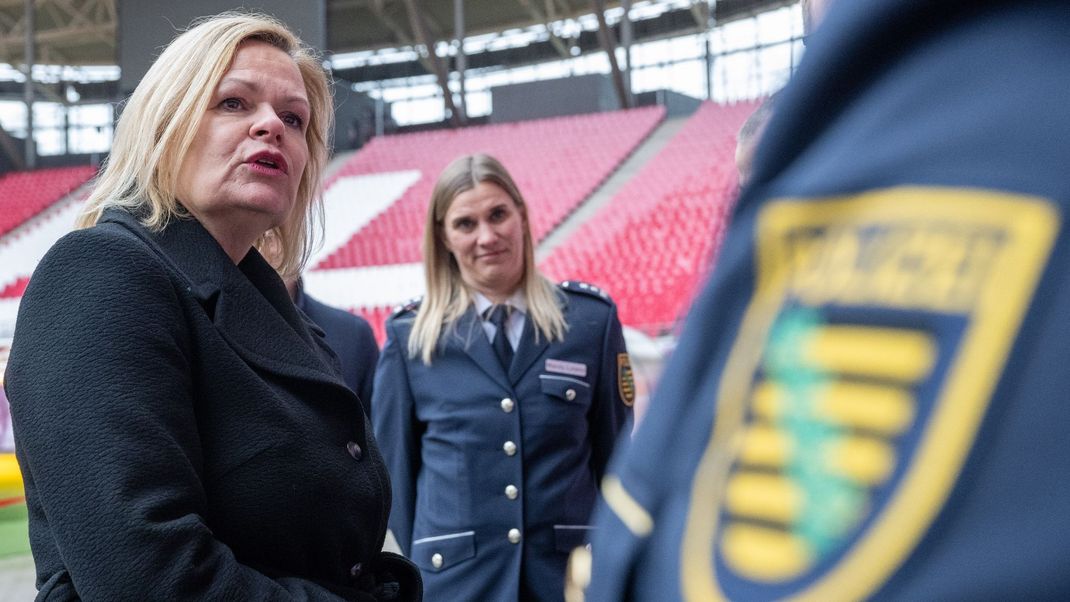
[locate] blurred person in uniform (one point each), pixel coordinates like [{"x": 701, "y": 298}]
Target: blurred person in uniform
[
  {"x": 749, "y": 135},
  {"x": 868, "y": 398},
  {"x": 349, "y": 335},
  {"x": 498, "y": 399},
  {"x": 181, "y": 429}
]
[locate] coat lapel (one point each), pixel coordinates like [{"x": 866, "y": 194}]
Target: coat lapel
[
  {"x": 469, "y": 337},
  {"x": 527, "y": 352},
  {"x": 247, "y": 303}
]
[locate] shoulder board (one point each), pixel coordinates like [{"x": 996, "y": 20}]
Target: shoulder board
[
  {"x": 575, "y": 286},
  {"x": 408, "y": 306}
]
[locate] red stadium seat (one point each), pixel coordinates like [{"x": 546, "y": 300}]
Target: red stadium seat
[
  {"x": 652, "y": 244},
  {"x": 557, "y": 163},
  {"x": 15, "y": 289},
  {"x": 24, "y": 194}
]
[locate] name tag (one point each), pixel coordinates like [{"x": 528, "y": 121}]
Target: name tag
[{"x": 569, "y": 368}]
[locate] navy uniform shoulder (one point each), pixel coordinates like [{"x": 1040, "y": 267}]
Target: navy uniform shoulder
[
  {"x": 407, "y": 308},
  {"x": 582, "y": 288}
]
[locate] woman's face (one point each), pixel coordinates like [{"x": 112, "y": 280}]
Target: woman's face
[
  {"x": 484, "y": 231},
  {"x": 241, "y": 174}
]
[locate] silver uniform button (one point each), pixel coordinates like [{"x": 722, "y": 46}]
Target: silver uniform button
[
  {"x": 511, "y": 491},
  {"x": 570, "y": 394},
  {"x": 507, "y": 405},
  {"x": 436, "y": 561},
  {"x": 509, "y": 448},
  {"x": 514, "y": 535}
]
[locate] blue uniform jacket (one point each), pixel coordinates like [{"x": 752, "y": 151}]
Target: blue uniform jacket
[
  {"x": 869, "y": 399},
  {"x": 495, "y": 475},
  {"x": 352, "y": 340}
]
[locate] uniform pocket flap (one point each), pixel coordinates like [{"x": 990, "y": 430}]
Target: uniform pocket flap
[
  {"x": 569, "y": 537},
  {"x": 565, "y": 387},
  {"x": 443, "y": 551}
]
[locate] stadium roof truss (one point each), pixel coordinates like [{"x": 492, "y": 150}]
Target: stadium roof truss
[
  {"x": 68, "y": 32},
  {"x": 83, "y": 32}
]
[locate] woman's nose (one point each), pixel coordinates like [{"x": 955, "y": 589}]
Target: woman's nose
[
  {"x": 266, "y": 123},
  {"x": 485, "y": 235}
]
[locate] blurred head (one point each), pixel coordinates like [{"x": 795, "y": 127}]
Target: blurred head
[
  {"x": 477, "y": 228},
  {"x": 813, "y": 12},
  {"x": 749, "y": 135},
  {"x": 177, "y": 135}
]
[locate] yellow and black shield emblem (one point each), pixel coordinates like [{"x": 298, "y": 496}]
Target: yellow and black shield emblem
[
  {"x": 864, "y": 364},
  {"x": 625, "y": 379}
]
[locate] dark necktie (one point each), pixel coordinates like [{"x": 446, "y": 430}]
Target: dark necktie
[{"x": 499, "y": 316}]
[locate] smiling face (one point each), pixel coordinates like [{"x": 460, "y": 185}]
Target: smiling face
[
  {"x": 241, "y": 174},
  {"x": 484, "y": 231}
]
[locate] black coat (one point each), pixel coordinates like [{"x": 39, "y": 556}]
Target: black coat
[
  {"x": 351, "y": 338},
  {"x": 182, "y": 432}
]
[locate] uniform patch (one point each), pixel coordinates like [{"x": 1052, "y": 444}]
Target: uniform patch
[
  {"x": 625, "y": 379},
  {"x": 864, "y": 364},
  {"x": 566, "y": 367}
]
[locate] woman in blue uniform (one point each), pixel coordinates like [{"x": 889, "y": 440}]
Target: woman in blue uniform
[{"x": 497, "y": 400}]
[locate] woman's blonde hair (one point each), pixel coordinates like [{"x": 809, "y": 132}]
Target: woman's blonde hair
[
  {"x": 447, "y": 297},
  {"x": 162, "y": 116}
]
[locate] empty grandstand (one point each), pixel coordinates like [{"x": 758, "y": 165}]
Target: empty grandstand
[{"x": 653, "y": 242}]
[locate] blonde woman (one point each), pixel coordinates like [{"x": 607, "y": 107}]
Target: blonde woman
[
  {"x": 497, "y": 398},
  {"x": 183, "y": 432}
]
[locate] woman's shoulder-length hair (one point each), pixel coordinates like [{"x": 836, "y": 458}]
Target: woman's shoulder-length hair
[
  {"x": 447, "y": 296},
  {"x": 161, "y": 118}
]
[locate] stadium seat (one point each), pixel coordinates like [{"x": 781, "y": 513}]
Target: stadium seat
[
  {"x": 24, "y": 194},
  {"x": 650, "y": 246},
  {"x": 556, "y": 162}
]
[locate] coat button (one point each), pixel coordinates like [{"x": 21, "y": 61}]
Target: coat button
[
  {"x": 514, "y": 535},
  {"x": 570, "y": 394},
  {"x": 507, "y": 405},
  {"x": 436, "y": 560},
  {"x": 356, "y": 570},
  {"x": 354, "y": 450},
  {"x": 511, "y": 491},
  {"x": 509, "y": 448}
]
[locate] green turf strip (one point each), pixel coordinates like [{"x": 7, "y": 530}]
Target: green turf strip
[
  {"x": 16, "y": 511},
  {"x": 14, "y": 538}
]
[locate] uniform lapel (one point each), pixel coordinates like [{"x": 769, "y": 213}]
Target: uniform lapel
[
  {"x": 247, "y": 303},
  {"x": 469, "y": 337},
  {"x": 527, "y": 351}
]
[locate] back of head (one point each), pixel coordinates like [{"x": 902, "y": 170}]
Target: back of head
[
  {"x": 749, "y": 136},
  {"x": 813, "y": 12},
  {"x": 161, "y": 118}
]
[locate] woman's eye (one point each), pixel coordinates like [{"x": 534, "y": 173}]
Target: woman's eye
[
  {"x": 498, "y": 215},
  {"x": 292, "y": 120},
  {"x": 464, "y": 224},
  {"x": 231, "y": 104}
]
